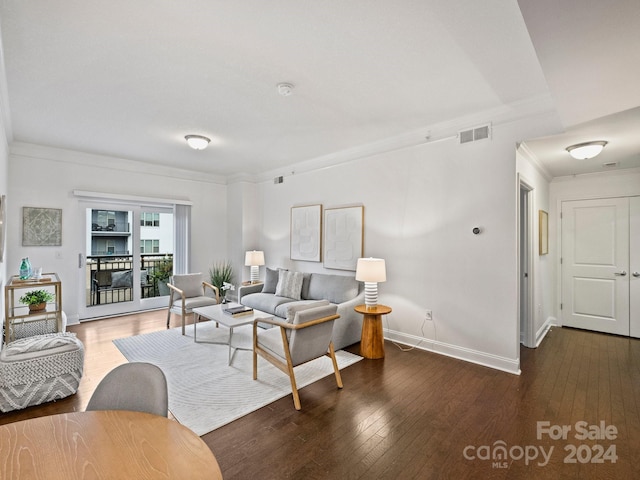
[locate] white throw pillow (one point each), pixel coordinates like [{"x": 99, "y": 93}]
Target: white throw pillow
[{"x": 289, "y": 284}]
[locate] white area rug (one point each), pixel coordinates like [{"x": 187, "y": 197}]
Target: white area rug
[{"x": 204, "y": 392}]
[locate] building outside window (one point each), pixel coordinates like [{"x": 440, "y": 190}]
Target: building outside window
[
  {"x": 149, "y": 219},
  {"x": 150, "y": 246}
]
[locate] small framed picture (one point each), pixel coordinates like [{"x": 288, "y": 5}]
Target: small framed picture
[{"x": 543, "y": 232}]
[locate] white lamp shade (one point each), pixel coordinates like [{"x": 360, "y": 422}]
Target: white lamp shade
[
  {"x": 585, "y": 151},
  {"x": 371, "y": 270},
  {"x": 197, "y": 142},
  {"x": 254, "y": 258}
]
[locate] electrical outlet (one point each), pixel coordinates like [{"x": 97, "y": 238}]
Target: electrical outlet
[{"x": 429, "y": 315}]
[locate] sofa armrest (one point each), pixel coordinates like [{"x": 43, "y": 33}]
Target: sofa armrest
[
  {"x": 348, "y": 328},
  {"x": 345, "y": 308},
  {"x": 247, "y": 289}
]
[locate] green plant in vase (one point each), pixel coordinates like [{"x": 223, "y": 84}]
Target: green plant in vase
[
  {"x": 221, "y": 275},
  {"x": 162, "y": 270},
  {"x": 37, "y": 299}
]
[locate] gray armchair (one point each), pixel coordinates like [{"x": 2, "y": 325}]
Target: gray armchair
[
  {"x": 188, "y": 291},
  {"x": 304, "y": 336}
]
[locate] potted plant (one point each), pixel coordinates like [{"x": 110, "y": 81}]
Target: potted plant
[
  {"x": 37, "y": 299},
  {"x": 221, "y": 276},
  {"x": 162, "y": 270}
]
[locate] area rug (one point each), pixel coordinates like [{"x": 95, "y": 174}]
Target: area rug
[{"x": 204, "y": 392}]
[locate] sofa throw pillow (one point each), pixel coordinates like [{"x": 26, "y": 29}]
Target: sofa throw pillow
[
  {"x": 270, "y": 280},
  {"x": 289, "y": 284},
  {"x": 121, "y": 279},
  {"x": 299, "y": 307}
]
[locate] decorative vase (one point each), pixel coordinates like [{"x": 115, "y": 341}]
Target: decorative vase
[
  {"x": 37, "y": 307},
  {"x": 162, "y": 288}
]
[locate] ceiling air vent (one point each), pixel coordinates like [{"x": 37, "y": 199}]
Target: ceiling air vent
[{"x": 482, "y": 132}]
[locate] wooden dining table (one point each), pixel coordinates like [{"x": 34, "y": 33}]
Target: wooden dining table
[{"x": 104, "y": 445}]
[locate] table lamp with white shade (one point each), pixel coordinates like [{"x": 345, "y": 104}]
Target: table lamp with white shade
[
  {"x": 371, "y": 271},
  {"x": 254, "y": 259}
]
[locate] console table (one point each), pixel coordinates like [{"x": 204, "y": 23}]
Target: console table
[
  {"x": 103, "y": 444},
  {"x": 18, "y": 316},
  {"x": 372, "y": 340}
]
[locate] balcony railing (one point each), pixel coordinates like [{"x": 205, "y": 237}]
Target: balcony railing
[{"x": 110, "y": 277}]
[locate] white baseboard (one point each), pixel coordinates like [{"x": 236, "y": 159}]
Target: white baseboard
[
  {"x": 73, "y": 319},
  {"x": 469, "y": 355},
  {"x": 544, "y": 329}
]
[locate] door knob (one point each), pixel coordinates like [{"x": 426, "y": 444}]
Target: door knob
[
  {"x": 636, "y": 274},
  {"x": 621, "y": 274}
]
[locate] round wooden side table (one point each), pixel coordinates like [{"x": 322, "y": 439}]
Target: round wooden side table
[{"x": 372, "y": 339}]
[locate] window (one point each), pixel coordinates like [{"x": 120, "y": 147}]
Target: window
[
  {"x": 148, "y": 219},
  {"x": 149, "y": 246}
]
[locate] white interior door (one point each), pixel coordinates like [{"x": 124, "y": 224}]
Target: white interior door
[
  {"x": 634, "y": 265},
  {"x": 595, "y": 263}
]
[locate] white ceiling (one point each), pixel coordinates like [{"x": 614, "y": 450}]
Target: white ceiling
[{"x": 130, "y": 79}]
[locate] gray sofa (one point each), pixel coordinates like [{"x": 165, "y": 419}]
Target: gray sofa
[{"x": 281, "y": 290}]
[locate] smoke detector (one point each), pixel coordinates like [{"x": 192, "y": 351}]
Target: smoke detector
[{"x": 285, "y": 89}]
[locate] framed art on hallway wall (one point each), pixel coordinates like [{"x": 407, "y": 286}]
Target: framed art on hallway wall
[
  {"x": 543, "y": 232},
  {"x": 343, "y": 237},
  {"x": 306, "y": 233}
]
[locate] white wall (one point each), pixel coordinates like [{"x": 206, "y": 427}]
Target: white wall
[
  {"x": 542, "y": 274},
  {"x": 4, "y": 185},
  {"x": 421, "y": 205},
  {"x": 42, "y": 178}
]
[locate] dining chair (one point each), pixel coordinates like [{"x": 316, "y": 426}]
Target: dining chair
[
  {"x": 137, "y": 386},
  {"x": 188, "y": 291},
  {"x": 303, "y": 336}
]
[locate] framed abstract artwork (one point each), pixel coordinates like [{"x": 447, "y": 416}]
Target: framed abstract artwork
[
  {"x": 343, "y": 237},
  {"x": 41, "y": 227},
  {"x": 306, "y": 233}
]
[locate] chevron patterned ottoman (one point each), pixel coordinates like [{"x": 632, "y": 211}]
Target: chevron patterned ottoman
[{"x": 39, "y": 369}]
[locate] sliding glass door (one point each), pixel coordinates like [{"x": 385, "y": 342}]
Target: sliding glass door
[{"x": 128, "y": 259}]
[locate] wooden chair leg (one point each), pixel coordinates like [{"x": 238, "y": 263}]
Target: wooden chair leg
[
  {"x": 332, "y": 354},
  {"x": 294, "y": 389},
  {"x": 255, "y": 352},
  {"x": 168, "y": 318}
]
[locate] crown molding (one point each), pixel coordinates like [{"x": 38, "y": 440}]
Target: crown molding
[
  {"x": 535, "y": 161},
  {"x": 528, "y": 108},
  {"x": 75, "y": 157}
]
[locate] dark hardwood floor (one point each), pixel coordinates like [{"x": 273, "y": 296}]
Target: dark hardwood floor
[{"x": 420, "y": 415}]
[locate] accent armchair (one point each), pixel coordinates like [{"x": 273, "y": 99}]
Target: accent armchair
[
  {"x": 188, "y": 291},
  {"x": 304, "y": 336}
]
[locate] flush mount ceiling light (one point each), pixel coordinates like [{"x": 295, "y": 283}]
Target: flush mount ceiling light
[
  {"x": 285, "y": 89},
  {"x": 587, "y": 150},
  {"x": 197, "y": 142}
]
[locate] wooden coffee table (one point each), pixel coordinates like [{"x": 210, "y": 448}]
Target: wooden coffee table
[{"x": 215, "y": 313}]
